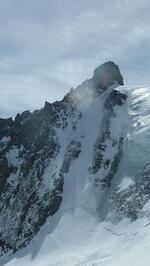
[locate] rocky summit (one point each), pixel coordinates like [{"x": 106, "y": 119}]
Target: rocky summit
[
  {"x": 106, "y": 74},
  {"x": 69, "y": 154}
]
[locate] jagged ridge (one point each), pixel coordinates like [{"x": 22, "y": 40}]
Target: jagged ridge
[{"x": 39, "y": 150}]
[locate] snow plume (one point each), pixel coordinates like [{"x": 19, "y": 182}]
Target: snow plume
[{"x": 83, "y": 94}]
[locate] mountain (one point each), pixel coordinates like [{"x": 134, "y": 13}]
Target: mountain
[{"x": 75, "y": 177}]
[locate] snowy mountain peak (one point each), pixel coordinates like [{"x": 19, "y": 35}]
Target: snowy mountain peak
[{"x": 72, "y": 163}]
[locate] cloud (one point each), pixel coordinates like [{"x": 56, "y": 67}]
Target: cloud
[{"x": 49, "y": 46}]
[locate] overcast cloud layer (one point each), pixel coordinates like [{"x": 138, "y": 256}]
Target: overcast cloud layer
[{"x": 48, "y": 46}]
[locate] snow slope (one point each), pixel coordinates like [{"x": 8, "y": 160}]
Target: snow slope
[
  {"x": 81, "y": 239},
  {"x": 77, "y": 234}
]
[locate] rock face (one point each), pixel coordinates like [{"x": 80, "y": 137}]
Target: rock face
[
  {"x": 105, "y": 139},
  {"x": 41, "y": 151},
  {"x": 131, "y": 200},
  {"x": 32, "y": 146},
  {"x": 107, "y": 74},
  {"x": 5, "y": 125}
]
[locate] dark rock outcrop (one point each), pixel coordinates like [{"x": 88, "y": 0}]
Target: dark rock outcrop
[
  {"x": 4, "y": 173},
  {"x": 131, "y": 200},
  {"x": 104, "y": 137},
  {"x": 5, "y": 125},
  {"x": 106, "y": 74}
]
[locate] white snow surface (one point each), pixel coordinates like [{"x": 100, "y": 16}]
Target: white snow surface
[
  {"x": 4, "y": 139},
  {"x": 82, "y": 239},
  {"x": 125, "y": 183},
  {"x": 12, "y": 157},
  {"x": 75, "y": 235}
]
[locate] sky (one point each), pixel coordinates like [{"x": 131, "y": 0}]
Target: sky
[{"x": 49, "y": 46}]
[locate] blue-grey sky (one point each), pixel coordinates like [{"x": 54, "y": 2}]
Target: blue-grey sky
[{"x": 48, "y": 46}]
